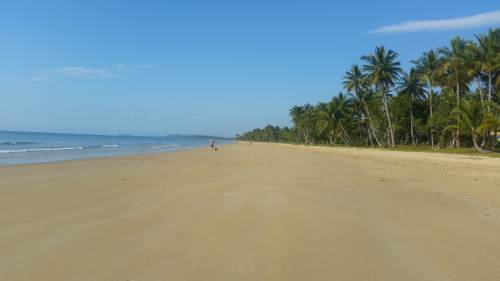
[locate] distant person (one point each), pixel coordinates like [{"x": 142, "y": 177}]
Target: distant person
[
  {"x": 250, "y": 143},
  {"x": 212, "y": 145}
]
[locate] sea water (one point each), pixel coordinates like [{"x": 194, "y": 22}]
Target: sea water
[{"x": 27, "y": 147}]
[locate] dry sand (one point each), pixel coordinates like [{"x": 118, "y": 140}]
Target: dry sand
[{"x": 266, "y": 212}]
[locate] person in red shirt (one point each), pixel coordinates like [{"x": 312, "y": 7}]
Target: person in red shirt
[{"x": 212, "y": 145}]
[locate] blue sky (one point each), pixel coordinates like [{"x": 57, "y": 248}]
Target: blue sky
[{"x": 200, "y": 67}]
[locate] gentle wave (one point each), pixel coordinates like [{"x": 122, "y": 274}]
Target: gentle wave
[
  {"x": 16, "y": 142},
  {"x": 39, "y": 149},
  {"x": 53, "y": 148},
  {"x": 162, "y": 146}
]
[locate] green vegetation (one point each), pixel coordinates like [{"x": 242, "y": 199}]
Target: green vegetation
[{"x": 430, "y": 108}]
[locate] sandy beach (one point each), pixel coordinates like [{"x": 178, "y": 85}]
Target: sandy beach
[{"x": 261, "y": 212}]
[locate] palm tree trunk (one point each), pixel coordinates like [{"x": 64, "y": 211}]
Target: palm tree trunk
[
  {"x": 371, "y": 123},
  {"x": 489, "y": 110},
  {"x": 481, "y": 95},
  {"x": 494, "y": 139},
  {"x": 479, "y": 149},
  {"x": 391, "y": 130},
  {"x": 344, "y": 140},
  {"x": 411, "y": 120},
  {"x": 350, "y": 140},
  {"x": 370, "y": 136},
  {"x": 359, "y": 127},
  {"x": 479, "y": 87},
  {"x": 430, "y": 105},
  {"x": 458, "y": 104}
]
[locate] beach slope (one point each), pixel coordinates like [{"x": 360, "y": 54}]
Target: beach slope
[{"x": 261, "y": 212}]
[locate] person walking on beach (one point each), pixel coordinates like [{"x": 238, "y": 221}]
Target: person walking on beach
[{"x": 212, "y": 145}]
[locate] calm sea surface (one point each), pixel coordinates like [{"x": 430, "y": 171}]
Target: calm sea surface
[{"x": 25, "y": 147}]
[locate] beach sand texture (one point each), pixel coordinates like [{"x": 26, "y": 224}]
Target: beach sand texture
[{"x": 265, "y": 212}]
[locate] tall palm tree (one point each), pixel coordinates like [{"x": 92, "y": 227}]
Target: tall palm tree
[
  {"x": 454, "y": 58},
  {"x": 354, "y": 81},
  {"x": 474, "y": 64},
  {"x": 428, "y": 66},
  {"x": 412, "y": 87},
  {"x": 488, "y": 48},
  {"x": 383, "y": 70}
]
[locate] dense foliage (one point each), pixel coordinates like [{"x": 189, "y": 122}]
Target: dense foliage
[{"x": 432, "y": 104}]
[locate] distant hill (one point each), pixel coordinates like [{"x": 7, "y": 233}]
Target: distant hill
[{"x": 179, "y": 136}]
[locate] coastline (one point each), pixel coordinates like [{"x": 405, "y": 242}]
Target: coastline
[
  {"x": 270, "y": 211},
  {"x": 29, "y": 147}
]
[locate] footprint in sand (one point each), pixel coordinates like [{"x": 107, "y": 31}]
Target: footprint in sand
[
  {"x": 171, "y": 237},
  {"x": 150, "y": 264},
  {"x": 219, "y": 250},
  {"x": 248, "y": 265}
]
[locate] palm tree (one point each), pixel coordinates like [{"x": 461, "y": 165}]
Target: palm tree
[
  {"x": 343, "y": 103},
  {"x": 307, "y": 124},
  {"x": 474, "y": 65},
  {"x": 488, "y": 48},
  {"x": 330, "y": 120},
  {"x": 454, "y": 60},
  {"x": 428, "y": 66},
  {"x": 296, "y": 112},
  {"x": 473, "y": 120},
  {"x": 383, "y": 71},
  {"x": 354, "y": 81},
  {"x": 412, "y": 87}
]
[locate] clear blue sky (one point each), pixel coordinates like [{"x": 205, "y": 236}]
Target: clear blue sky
[{"x": 200, "y": 67}]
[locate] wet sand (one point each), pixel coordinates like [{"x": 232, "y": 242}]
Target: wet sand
[{"x": 265, "y": 212}]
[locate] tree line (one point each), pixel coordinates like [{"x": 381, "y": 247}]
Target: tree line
[{"x": 432, "y": 104}]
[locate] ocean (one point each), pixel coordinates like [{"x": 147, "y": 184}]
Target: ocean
[{"x": 27, "y": 147}]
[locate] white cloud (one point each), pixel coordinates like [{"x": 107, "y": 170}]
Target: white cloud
[
  {"x": 153, "y": 115},
  {"x": 489, "y": 18},
  {"x": 41, "y": 79},
  {"x": 124, "y": 68},
  {"x": 83, "y": 72}
]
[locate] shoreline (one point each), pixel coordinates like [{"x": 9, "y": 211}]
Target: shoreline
[
  {"x": 266, "y": 212},
  {"x": 93, "y": 157}
]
